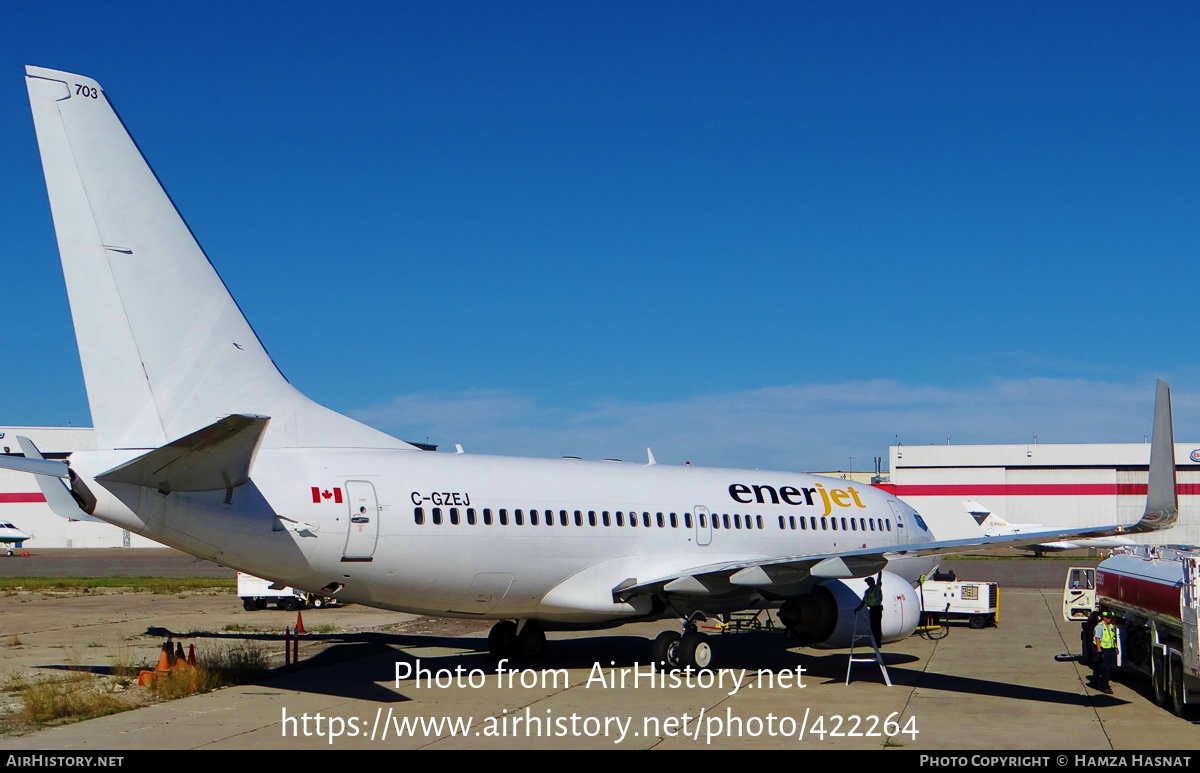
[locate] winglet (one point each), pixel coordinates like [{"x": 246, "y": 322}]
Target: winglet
[
  {"x": 1162, "y": 496},
  {"x": 216, "y": 457}
]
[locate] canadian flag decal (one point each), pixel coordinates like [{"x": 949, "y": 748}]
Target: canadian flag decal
[{"x": 324, "y": 495}]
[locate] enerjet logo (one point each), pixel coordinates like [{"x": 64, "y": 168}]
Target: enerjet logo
[
  {"x": 1195, "y": 454},
  {"x": 790, "y": 495}
]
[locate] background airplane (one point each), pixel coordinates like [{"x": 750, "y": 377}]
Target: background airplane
[
  {"x": 11, "y": 536},
  {"x": 994, "y": 526}
]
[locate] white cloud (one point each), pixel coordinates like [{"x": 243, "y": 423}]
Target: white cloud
[{"x": 797, "y": 427}]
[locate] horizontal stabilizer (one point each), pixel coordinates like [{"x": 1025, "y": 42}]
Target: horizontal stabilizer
[
  {"x": 39, "y": 467},
  {"x": 216, "y": 457},
  {"x": 58, "y": 498}
]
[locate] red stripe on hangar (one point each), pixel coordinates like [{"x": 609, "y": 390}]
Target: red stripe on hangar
[
  {"x": 1030, "y": 489},
  {"x": 20, "y": 498}
]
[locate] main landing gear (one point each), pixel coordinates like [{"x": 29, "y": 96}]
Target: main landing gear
[
  {"x": 525, "y": 643},
  {"x": 672, "y": 649}
]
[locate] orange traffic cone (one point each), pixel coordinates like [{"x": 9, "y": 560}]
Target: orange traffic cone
[
  {"x": 191, "y": 655},
  {"x": 180, "y": 658},
  {"x": 300, "y": 624},
  {"x": 164, "y": 658}
]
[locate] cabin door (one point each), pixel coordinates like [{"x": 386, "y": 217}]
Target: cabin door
[{"x": 364, "y": 521}]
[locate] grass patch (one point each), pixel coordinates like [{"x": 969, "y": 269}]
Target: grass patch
[
  {"x": 72, "y": 698},
  {"x": 135, "y": 584}
]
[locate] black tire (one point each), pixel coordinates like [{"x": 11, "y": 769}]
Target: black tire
[
  {"x": 250, "y": 605},
  {"x": 291, "y": 604},
  {"x": 500, "y": 639},
  {"x": 695, "y": 651},
  {"x": 978, "y": 621},
  {"x": 530, "y": 644},
  {"x": 664, "y": 652},
  {"x": 1159, "y": 681},
  {"x": 318, "y": 602},
  {"x": 261, "y": 604},
  {"x": 1178, "y": 707}
]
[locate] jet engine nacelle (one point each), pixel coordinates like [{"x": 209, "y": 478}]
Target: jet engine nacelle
[{"x": 825, "y": 617}]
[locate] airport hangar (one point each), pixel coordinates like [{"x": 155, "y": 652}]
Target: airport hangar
[{"x": 1057, "y": 485}]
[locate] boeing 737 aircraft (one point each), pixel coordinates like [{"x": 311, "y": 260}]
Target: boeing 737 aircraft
[{"x": 203, "y": 445}]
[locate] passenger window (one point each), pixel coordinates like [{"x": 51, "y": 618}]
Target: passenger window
[
  {"x": 533, "y": 517},
  {"x": 604, "y": 518},
  {"x": 592, "y": 517},
  {"x": 503, "y": 517},
  {"x": 737, "y": 521},
  {"x": 781, "y": 526},
  {"x": 758, "y": 521},
  {"x": 824, "y": 526},
  {"x": 659, "y": 518},
  {"x": 471, "y": 515},
  {"x": 703, "y": 522},
  {"x": 454, "y": 515},
  {"x": 518, "y": 517},
  {"x": 487, "y": 516},
  {"x": 725, "y": 518},
  {"x": 674, "y": 521},
  {"x": 578, "y": 518},
  {"x": 620, "y": 519},
  {"x": 562, "y": 518},
  {"x": 437, "y": 516},
  {"x": 419, "y": 515},
  {"x": 687, "y": 521}
]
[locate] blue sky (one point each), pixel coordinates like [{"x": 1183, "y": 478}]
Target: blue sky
[{"x": 764, "y": 235}]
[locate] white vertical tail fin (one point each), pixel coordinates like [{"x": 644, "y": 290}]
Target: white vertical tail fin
[{"x": 165, "y": 349}]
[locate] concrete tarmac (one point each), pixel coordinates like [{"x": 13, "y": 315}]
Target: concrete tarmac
[{"x": 1016, "y": 686}]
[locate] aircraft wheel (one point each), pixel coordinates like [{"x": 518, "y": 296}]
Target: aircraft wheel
[
  {"x": 977, "y": 621},
  {"x": 1158, "y": 680},
  {"x": 250, "y": 605},
  {"x": 500, "y": 638},
  {"x": 530, "y": 644},
  {"x": 695, "y": 651},
  {"x": 664, "y": 652},
  {"x": 318, "y": 602}
]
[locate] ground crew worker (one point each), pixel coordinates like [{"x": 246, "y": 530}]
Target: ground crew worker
[
  {"x": 873, "y": 600},
  {"x": 1105, "y": 639}
]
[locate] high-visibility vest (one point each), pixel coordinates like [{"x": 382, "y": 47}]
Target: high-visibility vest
[
  {"x": 873, "y": 597},
  {"x": 1106, "y": 636}
]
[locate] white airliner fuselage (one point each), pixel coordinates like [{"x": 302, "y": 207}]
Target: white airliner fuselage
[{"x": 433, "y": 540}]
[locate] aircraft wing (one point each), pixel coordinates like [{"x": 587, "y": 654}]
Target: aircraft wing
[{"x": 730, "y": 576}]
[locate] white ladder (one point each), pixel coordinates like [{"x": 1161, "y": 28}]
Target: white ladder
[{"x": 855, "y": 637}]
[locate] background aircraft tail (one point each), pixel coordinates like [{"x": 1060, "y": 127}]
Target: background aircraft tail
[{"x": 165, "y": 349}]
